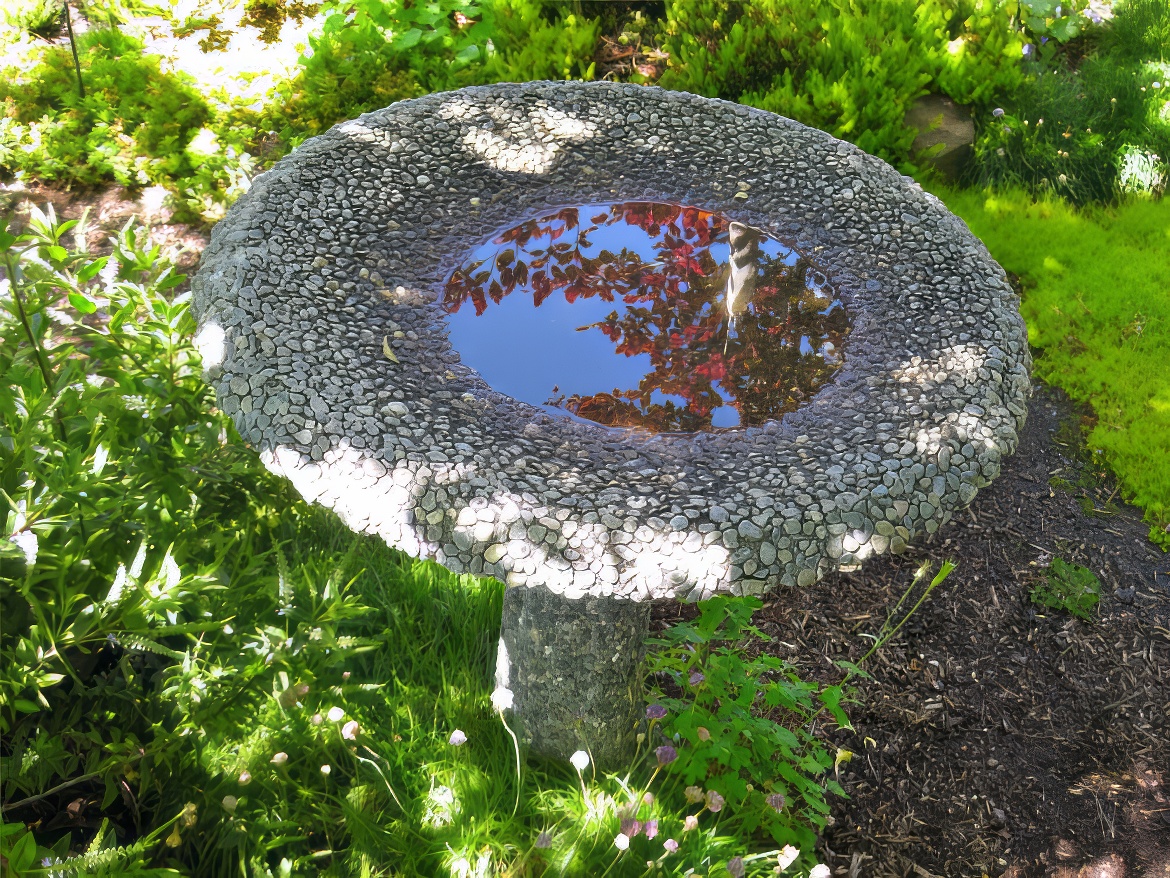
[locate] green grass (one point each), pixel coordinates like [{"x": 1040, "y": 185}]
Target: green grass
[{"x": 1097, "y": 304}]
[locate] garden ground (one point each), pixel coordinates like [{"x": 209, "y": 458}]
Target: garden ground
[{"x": 996, "y": 737}]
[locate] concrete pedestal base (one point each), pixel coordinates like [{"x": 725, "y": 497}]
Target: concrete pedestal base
[{"x": 574, "y": 668}]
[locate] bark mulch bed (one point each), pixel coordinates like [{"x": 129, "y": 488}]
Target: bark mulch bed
[{"x": 998, "y": 737}]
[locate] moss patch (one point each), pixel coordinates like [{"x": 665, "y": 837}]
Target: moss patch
[{"x": 1097, "y": 303}]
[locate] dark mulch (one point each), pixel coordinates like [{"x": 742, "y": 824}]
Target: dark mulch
[{"x": 998, "y": 737}]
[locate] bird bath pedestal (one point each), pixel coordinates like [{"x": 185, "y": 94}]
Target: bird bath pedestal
[{"x": 323, "y": 321}]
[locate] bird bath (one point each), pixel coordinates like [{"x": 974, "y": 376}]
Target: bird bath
[{"x": 337, "y": 318}]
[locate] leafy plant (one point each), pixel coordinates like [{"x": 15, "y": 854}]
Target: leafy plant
[
  {"x": 541, "y": 41},
  {"x": 111, "y": 465},
  {"x": 1068, "y": 587},
  {"x": 852, "y": 70},
  {"x": 35, "y": 16},
  {"x": 1049, "y": 24},
  {"x": 746, "y": 728},
  {"x": 131, "y": 126}
]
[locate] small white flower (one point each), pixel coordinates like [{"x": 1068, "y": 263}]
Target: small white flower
[
  {"x": 502, "y": 698},
  {"x": 621, "y": 841},
  {"x": 317, "y": 719},
  {"x": 820, "y": 870},
  {"x": 458, "y": 738},
  {"x": 325, "y": 769},
  {"x": 580, "y": 760},
  {"x": 245, "y": 778},
  {"x": 350, "y": 730},
  {"x": 230, "y": 803},
  {"x": 279, "y": 758},
  {"x": 787, "y": 856},
  {"x": 335, "y": 715}
]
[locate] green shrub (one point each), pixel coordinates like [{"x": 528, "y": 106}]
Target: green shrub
[
  {"x": 850, "y": 69},
  {"x": 131, "y": 126},
  {"x": 34, "y": 16},
  {"x": 351, "y": 71},
  {"x": 1068, "y": 587},
  {"x": 530, "y": 46},
  {"x": 371, "y": 53}
]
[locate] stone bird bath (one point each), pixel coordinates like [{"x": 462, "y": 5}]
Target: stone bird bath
[{"x": 320, "y": 303}]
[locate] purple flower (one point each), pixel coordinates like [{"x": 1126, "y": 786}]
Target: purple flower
[
  {"x": 735, "y": 867},
  {"x": 655, "y": 711},
  {"x": 776, "y": 801},
  {"x": 544, "y": 841},
  {"x": 1027, "y": 50},
  {"x": 666, "y": 754},
  {"x": 1043, "y": 40},
  {"x": 651, "y": 828},
  {"x": 671, "y": 845},
  {"x": 697, "y": 678},
  {"x": 714, "y": 801},
  {"x": 631, "y": 827},
  {"x": 457, "y": 739},
  {"x": 997, "y": 112}
]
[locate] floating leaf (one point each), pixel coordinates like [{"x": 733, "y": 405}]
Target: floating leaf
[{"x": 386, "y": 349}]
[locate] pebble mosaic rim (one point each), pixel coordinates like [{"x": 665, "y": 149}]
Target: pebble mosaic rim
[{"x": 321, "y": 327}]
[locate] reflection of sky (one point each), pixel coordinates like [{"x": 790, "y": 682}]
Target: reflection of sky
[
  {"x": 525, "y": 352},
  {"x": 536, "y": 353}
]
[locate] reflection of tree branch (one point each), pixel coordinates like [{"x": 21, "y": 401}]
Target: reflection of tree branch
[{"x": 764, "y": 311}]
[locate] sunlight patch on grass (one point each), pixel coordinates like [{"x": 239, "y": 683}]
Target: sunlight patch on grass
[{"x": 1097, "y": 302}]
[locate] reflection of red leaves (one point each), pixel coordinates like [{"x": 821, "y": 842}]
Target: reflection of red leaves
[
  {"x": 758, "y": 369},
  {"x": 713, "y": 370}
]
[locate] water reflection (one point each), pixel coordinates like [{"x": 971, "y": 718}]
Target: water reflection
[{"x": 647, "y": 315}]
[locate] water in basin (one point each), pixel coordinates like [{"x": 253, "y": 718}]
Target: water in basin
[{"x": 649, "y": 315}]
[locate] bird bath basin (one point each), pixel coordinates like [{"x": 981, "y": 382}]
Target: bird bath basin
[
  {"x": 335, "y": 296},
  {"x": 645, "y": 315}
]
